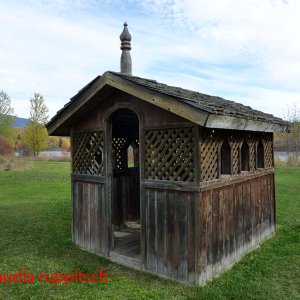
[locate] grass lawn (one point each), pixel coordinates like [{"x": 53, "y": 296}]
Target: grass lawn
[{"x": 35, "y": 223}]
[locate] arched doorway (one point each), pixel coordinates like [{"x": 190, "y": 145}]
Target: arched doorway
[{"x": 125, "y": 184}]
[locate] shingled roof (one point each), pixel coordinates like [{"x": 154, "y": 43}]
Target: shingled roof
[
  {"x": 210, "y": 104},
  {"x": 214, "y": 112}
]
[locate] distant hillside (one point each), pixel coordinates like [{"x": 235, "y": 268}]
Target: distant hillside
[{"x": 20, "y": 122}]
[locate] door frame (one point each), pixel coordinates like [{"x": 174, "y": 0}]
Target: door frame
[{"x": 109, "y": 174}]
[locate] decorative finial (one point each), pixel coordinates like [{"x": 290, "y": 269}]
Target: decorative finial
[{"x": 125, "y": 38}]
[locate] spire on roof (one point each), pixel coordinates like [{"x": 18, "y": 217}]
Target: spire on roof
[{"x": 125, "y": 38}]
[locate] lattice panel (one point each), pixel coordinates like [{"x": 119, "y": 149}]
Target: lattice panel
[
  {"x": 120, "y": 145},
  {"x": 212, "y": 140},
  {"x": 268, "y": 145},
  {"x": 209, "y": 155},
  {"x": 252, "y": 153},
  {"x": 88, "y": 153},
  {"x": 235, "y": 150},
  {"x": 170, "y": 154},
  {"x": 235, "y": 141}
]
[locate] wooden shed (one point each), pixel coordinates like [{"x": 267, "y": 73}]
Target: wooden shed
[{"x": 165, "y": 179}]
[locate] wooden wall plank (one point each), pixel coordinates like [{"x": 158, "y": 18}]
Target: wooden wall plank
[
  {"x": 144, "y": 195},
  {"x": 263, "y": 205},
  {"x": 75, "y": 212},
  {"x": 272, "y": 202},
  {"x": 93, "y": 218},
  {"x": 204, "y": 232},
  {"x": 221, "y": 227},
  {"x": 239, "y": 220},
  {"x": 253, "y": 212},
  {"x": 209, "y": 226},
  {"x": 227, "y": 203},
  {"x": 161, "y": 232},
  {"x": 241, "y": 215},
  {"x": 231, "y": 221},
  {"x": 80, "y": 215},
  {"x": 247, "y": 215},
  {"x": 103, "y": 223},
  {"x": 269, "y": 205},
  {"x": 192, "y": 235},
  {"x": 172, "y": 236},
  {"x": 181, "y": 217},
  {"x": 258, "y": 210},
  {"x": 215, "y": 228},
  {"x": 151, "y": 232},
  {"x": 89, "y": 213},
  {"x": 86, "y": 215}
]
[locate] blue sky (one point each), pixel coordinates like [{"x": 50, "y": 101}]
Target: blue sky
[{"x": 247, "y": 51}]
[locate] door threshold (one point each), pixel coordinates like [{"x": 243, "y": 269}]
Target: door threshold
[{"x": 125, "y": 260}]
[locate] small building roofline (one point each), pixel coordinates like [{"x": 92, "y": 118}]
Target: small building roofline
[{"x": 204, "y": 110}]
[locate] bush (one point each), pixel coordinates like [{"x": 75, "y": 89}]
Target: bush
[{"x": 5, "y": 147}]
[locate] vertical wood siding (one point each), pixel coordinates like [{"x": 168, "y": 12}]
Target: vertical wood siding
[
  {"x": 233, "y": 220},
  {"x": 126, "y": 203},
  {"x": 170, "y": 233},
  {"x": 89, "y": 216}
]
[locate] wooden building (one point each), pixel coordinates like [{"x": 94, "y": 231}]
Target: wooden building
[{"x": 198, "y": 192}]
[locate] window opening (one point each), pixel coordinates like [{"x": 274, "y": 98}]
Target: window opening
[
  {"x": 245, "y": 157},
  {"x": 260, "y": 155},
  {"x": 225, "y": 158}
]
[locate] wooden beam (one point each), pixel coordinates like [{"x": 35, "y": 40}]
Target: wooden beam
[
  {"x": 170, "y": 185},
  {"x": 208, "y": 185},
  {"x": 227, "y": 122},
  {"x": 88, "y": 178}
]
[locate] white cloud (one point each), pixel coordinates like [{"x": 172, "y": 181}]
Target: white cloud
[{"x": 247, "y": 51}]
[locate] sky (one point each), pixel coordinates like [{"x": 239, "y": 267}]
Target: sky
[{"x": 246, "y": 51}]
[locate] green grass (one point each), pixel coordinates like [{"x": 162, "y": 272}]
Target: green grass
[{"x": 35, "y": 223}]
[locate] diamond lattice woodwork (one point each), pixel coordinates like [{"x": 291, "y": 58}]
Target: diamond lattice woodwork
[
  {"x": 268, "y": 147},
  {"x": 209, "y": 155},
  {"x": 211, "y": 141},
  {"x": 235, "y": 141},
  {"x": 170, "y": 154},
  {"x": 252, "y": 153},
  {"x": 88, "y": 153}
]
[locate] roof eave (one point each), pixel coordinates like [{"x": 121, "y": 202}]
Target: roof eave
[
  {"x": 234, "y": 123},
  {"x": 56, "y": 124}
]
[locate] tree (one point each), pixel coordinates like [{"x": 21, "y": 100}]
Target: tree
[
  {"x": 35, "y": 133},
  {"x": 7, "y": 117},
  {"x": 290, "y": 142},
  {"x": 65, "y": 144}
]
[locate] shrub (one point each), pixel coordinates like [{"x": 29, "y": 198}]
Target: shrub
[{"x": 5, "y": 147}]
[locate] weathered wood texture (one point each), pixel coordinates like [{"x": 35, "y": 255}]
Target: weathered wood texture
[
  {"x": 87, "y": 153},
  {"x": 170, "y": 233},
  {"x": 211, "y": 141},
  {"x": 170, "y": 154},
  {"x": 151, "y": 115},
  {"x": 233, "y": 220},
  {"x": 126, "y": 202},
  {"x": 90, "y": 216}
]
